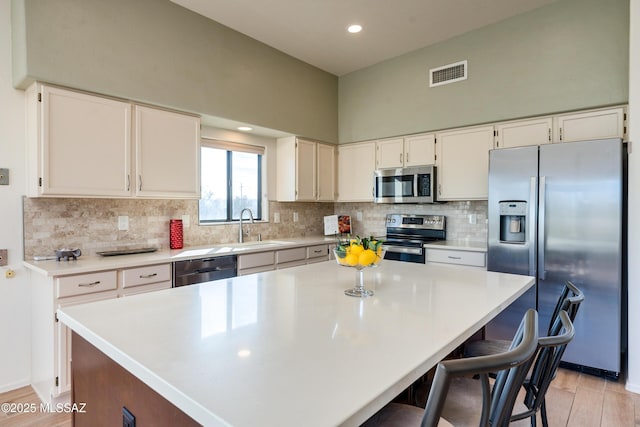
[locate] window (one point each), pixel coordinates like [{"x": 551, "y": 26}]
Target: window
[{"x": 231, "y": 180}]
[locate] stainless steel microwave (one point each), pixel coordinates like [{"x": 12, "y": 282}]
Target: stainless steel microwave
[{"x": 405, "y": 185}]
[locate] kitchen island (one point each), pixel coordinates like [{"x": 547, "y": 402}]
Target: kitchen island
[{"x": 287, "y": 347}]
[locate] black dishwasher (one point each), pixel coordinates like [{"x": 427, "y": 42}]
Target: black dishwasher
[{"x": 201, "y": 270}]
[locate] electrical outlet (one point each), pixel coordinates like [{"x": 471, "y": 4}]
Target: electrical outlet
[
  {"x": 128, "y": 420},
  {"x": 4, "y": 257},
  {"x": 185, "y": 220},
  {"x": 295, "y": 217},
  {"x": 276, "y": 217},
  {"x": 123, "y": 223},
  {"x": 473, "y": 218},
  {"x": 359, "y": 215},
  {"x": 4, "y": 176}
]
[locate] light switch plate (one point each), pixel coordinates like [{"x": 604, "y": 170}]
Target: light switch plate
[{"x": 4, "y": 176}]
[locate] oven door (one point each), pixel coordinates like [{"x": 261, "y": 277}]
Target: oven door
[{"x": 410, "y": 252}]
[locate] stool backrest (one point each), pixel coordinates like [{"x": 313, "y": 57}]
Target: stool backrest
[{"x": 511, "y": 368}]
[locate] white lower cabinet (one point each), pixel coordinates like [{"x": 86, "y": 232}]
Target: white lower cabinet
[
  {"x": 51, "y": 339},
  {"x": 283, "y": 258},
  {"x": 457, "y": 257},
  {"x": 287, "y": 258},
  {"x": 149, "y": 278},
  {"x": 317, "y": 253},
  {"x": 256, "y": 263},
  {"x": 62, "y": 339}
]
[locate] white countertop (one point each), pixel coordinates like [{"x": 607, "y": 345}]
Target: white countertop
[
  {"x": 87, "y": 264},
  {"x": 458, "y": 245},
  {"x": 287, "y": 347}
]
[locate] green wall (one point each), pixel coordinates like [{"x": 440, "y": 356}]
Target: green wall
[
  {"x": 157, "y": 52},
  {"x": 569, "y": 55}
]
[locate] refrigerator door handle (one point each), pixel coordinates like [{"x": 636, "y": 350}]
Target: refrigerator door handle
[
  {"x": 532, "y": 229},
  {"x": 541, "y": 227}
]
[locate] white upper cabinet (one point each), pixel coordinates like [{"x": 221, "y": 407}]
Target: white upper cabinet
[
  {"x": 167, "y": 154},
  {"x": 79, "y": 145},
  {"x": 587, "y": 125},
  {"x": 326, "y": 173},
  {"x": 356, "y": 164},
  {"x": 305, "y": 170},
  {"x": 390, "y": 153},
  {"x": 414, "y": 150},
  {"x": 524, "y": 132},
  {"x": 463, "y": 163},
  {"x": 306, "y": 173},
  {"x": 420, "y": 150}
]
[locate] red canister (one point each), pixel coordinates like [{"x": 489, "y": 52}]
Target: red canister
[{"x": 175, "y": 233}]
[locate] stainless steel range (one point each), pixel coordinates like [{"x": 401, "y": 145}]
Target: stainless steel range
[{"x": 407, "y": 234}]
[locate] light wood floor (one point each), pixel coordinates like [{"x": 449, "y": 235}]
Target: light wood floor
[
  {"x": 27, "y": 396},
  {"x": 574, "y": 400}
]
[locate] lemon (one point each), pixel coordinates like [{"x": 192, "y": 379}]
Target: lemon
[
  {"x": 356, "y": 249},
  {"x": 350, "y": 259},
  {"x": 367, "y": 257}
]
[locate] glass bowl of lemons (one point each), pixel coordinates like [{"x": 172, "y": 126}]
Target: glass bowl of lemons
[{"x": 359, "y": 253}]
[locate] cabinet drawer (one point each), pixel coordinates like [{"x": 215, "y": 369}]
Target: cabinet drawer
[
  {"x": 253, "y": 270},
  {"x": 144, "y": 289},
  {"x": 144, "y": 275},
  {"x": 476, "y": 259},
  {"x": 283, "y": 265},
  {"x": 86, "y": 283},
  {"x": 318, "y": 251},
  {"x": 288, "y": 255},
  {"x": 256, "y": 260}
]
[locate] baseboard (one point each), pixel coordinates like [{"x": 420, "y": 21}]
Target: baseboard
[
  {"x": 14, "y": 385},
  {"x": 633, "y": 388}
]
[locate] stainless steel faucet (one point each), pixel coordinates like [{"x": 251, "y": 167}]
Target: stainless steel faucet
[{"x": 240, "y": 235}]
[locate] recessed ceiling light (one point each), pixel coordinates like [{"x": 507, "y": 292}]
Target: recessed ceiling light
[
  {"x": 355, "y": 28},
  {"x": 244, "y": 128}
]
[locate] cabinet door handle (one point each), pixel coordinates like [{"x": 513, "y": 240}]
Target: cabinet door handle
[
  {"x": 317, "y": 251},
  {"x": 139, "y": 182},
  {"x": 400, "y": 157},
  {"x": 88, "y": 285},
  {"x": 128, "y": 182},
  {"x": 454, "y": 257},
  {"x": 148, "y": 276},
  {"x": 407, "y": 158}
]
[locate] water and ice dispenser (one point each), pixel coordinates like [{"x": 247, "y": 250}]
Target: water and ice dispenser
[{"x": 513, "y": 221}]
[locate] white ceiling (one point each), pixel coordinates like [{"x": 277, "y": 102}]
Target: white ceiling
[{"x": 314, "y": 31}]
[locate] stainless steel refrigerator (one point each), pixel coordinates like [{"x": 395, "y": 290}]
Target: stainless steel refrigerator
[{"x": 556, "y": 212}]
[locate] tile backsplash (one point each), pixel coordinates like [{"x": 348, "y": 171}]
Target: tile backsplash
[
  {"x": 459, "y": 215},
  {"x": 92, "y": 224}
]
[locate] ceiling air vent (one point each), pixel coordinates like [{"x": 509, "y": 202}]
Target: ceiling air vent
[{"x": 448, "y": 74}]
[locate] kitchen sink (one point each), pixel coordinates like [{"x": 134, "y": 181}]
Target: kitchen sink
[
  {"x": 260, "y": 244},
  {"x": 233, "y": 248}
]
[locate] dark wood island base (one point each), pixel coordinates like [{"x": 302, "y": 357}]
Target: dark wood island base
[{"x": 101, "y": 388}]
